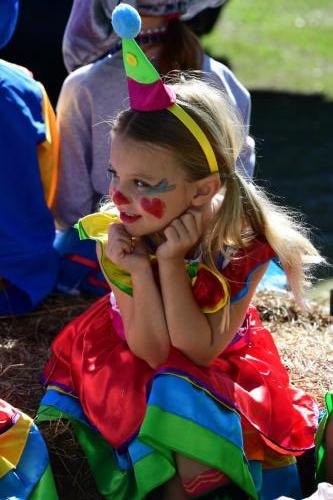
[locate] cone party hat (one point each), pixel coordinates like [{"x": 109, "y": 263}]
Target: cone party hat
[{"x": 147, "y": 92}]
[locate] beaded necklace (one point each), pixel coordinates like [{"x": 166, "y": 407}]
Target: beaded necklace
[{"x": 145, "y": 37}]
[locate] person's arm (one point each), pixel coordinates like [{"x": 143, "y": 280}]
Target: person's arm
[
  {"x": 199, "y": 336},
  {"x": 142, "y": 313},
  {"x": 75, "y": 196}
]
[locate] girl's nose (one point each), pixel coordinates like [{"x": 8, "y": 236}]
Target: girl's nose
[{"x": 119, "y": 198}]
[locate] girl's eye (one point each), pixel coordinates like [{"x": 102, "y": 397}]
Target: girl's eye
[
  {"x": 141, "y": 184},
  {"x": 111, "y": 174}
]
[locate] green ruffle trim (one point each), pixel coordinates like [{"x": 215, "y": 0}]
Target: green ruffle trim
[
  {"x": 166, "y": 433},
  {"x": 320, "y": 439},
  {"x": 45, "y": 488}
]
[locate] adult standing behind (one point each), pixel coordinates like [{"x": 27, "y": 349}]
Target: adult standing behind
[
  {"x": 96, "y": 90},
  {"x": 29, "y": 161}
]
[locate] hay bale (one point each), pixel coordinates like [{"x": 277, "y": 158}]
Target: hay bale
[{"x": 304, "y": 340}]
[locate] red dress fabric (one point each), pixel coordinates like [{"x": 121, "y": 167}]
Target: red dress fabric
[{"x": 90, "y": 359}]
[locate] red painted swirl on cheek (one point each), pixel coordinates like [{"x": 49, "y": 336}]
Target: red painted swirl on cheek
[
  {"x": 118, "y": 198},
  {"x": 153, "y": 206}
]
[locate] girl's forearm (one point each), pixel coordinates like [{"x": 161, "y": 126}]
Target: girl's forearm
[
  {"x": 147, "y": 332},
  {"x": 188, "y": 327}
]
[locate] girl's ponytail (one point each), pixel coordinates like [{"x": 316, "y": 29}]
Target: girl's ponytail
[
  {"x": 246, "y": 213},
  {"x": 181, "y": 49}
]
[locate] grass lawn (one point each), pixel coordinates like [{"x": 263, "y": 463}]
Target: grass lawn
[
  {"x": 283, "y": 53},
  {"x": 278, "y": 45}
]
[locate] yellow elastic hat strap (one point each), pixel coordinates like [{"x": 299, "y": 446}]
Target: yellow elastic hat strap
[{"x": 198, "y": 133}]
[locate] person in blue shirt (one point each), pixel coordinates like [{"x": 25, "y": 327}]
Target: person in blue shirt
[{"x": 29, "y": 159}]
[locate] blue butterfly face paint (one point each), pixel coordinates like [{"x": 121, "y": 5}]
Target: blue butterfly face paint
[{"x": 162, "y": 187}]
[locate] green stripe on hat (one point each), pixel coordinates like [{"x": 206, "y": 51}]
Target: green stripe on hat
[{"x": 137, "y": 66}]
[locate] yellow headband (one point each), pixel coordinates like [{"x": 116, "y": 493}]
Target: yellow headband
[{"x": 198, "y": 133}]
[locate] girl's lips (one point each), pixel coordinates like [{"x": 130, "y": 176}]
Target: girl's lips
[{"x": 128, "y": 218}]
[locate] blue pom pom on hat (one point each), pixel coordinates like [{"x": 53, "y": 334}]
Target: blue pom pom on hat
[
  {"x": 145, "y": 87},
  {"x": 126, "y": 21}
]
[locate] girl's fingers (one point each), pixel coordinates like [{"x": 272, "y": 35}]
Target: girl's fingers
[
  {"x": 116, "y": 230},
  {"x": 117, "y": 246},
  {"x": 198, "y": 218},
  {"x": 171, "y": 234},
  {"x": 180, "y": 228},
  {"x": 190, "y": 223}
]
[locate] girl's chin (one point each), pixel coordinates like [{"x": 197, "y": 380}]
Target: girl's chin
[{"x": 150, "y": 230}]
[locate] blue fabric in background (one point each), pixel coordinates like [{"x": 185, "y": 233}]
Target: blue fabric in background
[
  {"x": 8, "y": 19},
  {"x": 28, "y": 261},
  {"x": 74, "y": 277},
  {"x": 282, "y": 481},
  {"x": 18, "y": 483},
  {"x": 274, "y": 279}
]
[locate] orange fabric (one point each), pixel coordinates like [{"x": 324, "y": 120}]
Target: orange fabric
[
  {"x": 48, "y": 151},
  {"x": 257, "y": 449}
]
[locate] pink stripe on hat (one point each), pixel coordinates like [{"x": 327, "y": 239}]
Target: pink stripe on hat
[{"x": 150, "y": 97}]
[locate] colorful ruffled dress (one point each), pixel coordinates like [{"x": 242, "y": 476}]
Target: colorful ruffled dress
[
  {"x": 25, "y": 472},
  {"x": 239, "y": 415}
]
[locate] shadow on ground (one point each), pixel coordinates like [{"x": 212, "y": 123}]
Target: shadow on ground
[
  {"x": 295, "y": 157},
  {"x": 37, "y": 41}
]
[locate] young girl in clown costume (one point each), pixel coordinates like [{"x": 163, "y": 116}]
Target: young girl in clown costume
[{"x": 176, "y": 386}]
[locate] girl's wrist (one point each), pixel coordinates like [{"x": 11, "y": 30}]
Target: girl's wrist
[
  {"x": 173, "y": 263},
  {"x": 141, "y": 271}
]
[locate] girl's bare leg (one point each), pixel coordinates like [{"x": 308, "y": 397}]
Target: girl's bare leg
[
  {"x": 187, "y": 469},
  {"x": 173, "y": 490}
]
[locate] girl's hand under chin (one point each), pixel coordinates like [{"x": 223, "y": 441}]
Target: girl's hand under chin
[
  {"x": 181, "y": 236},
  {"x": 126, "y": 251}
]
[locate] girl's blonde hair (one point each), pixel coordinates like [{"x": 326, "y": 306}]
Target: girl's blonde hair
[{"x": 245, "y": 213}]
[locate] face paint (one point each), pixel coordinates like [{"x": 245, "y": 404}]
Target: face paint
[
  {"x": 161, "y": 187},
  {"x": 119, "y": 199},
  {"x": 154, "y": 206}
]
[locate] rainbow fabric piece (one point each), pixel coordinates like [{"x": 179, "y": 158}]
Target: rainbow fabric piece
[
  {"x": 210, "y": 288},
  {"x": 175, "y": 409},
  {"x": 25, "y": 472}
]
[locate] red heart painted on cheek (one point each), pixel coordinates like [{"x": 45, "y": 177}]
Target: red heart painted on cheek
[
  {"x": 153, "y": 206},
  {"x": 118, "y": 198}
]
